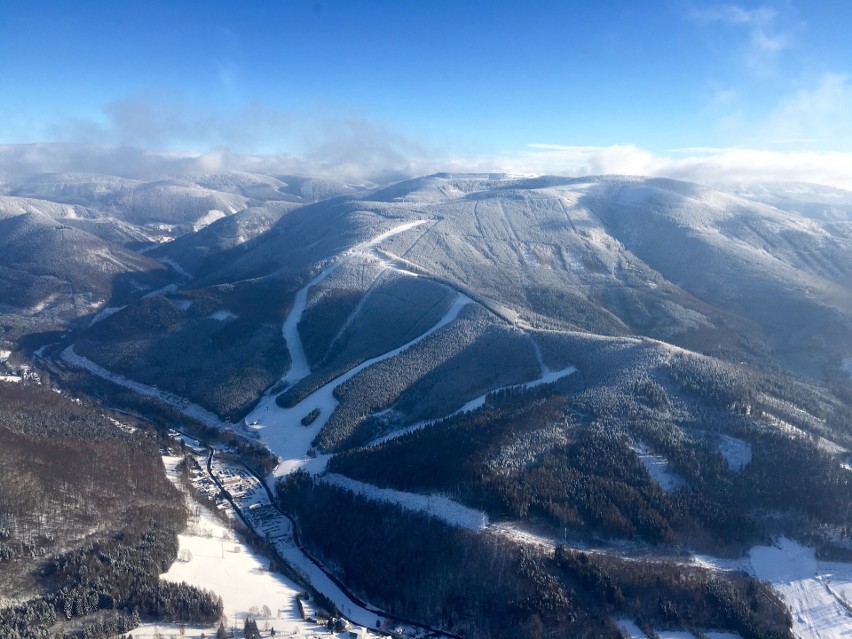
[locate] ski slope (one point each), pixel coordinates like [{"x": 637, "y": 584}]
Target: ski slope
[
  {"x": 281, "y": 428},
  {"x": 299, "y": 367}
]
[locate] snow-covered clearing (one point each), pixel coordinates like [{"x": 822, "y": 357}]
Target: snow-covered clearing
[
  {"x": 208, "y": 219},
  {"x": 168, "y": 288},
  {"x": 737, "y": 453},
  {"x": 106, "y": 312},
  {"x": 281, "y": 428},
  {"x": 827, "y": 445},
  {"x": 437, "y": 506},
  {"x": 177, "y": 268},
  {"x": 40, "y": 306},
  {"x": 658, "y": 468},
  {"x": 10, "y": 378},
  {"x": 221, "y": 562},
  {"x": 170, "y": 399},
  {"x": 632, "y": 631},
  {"x": 521, "y": 536},
  {"x": 223, "y": 315},
  {"x": 182, "y": 303},
  {"x": 818, "y": 593}
]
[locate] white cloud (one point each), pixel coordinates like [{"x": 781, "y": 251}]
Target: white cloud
[
  {"x": 227, "y": 73},
  {"x": 819, "y": 113},
  {"x": 707, "y": 165},
  {"x": 766, "y": 37},
  {"x": 799, "y": 133},
  {"x": 323, "y": 141}
]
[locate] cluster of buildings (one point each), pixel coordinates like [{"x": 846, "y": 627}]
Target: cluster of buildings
[{"x": 16, "y": 373}]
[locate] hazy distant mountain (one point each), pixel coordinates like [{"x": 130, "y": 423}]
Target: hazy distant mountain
[{"x": 812, "y": 200}]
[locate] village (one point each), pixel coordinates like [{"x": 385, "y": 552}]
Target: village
[{"x": 232, "y": 503}]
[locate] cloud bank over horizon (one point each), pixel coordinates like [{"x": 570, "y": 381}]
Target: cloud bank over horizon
[{"x": 382, "y": 162}]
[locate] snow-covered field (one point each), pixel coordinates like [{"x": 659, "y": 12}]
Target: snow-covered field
[
  {"x": 818, "y": 593},
  {"x": 737, "y": 453},
  {"x": 658, "y": 468},
  {"x": 221, "y": 562},
  {"x": 223, "y": 315},
  {"x": 104, "y": 313},
  {"x": 632, "y": 631},
  {"x": 253, "y": 502}
]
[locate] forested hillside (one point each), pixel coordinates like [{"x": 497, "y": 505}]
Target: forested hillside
[{"x": 88, "y": 521}]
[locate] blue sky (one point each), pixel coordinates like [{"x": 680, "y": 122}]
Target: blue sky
[{"x": 467, "y": 84}]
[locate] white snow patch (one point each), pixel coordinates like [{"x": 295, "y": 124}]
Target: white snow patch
[
  {"x": 10, "y": 378},
  {"x": 177, "y": 268},
  {"x": 223, "y": 315},
  {"x": 169, "y": 288},
  {"x": 544, "y": 368},
  {"x": 208, "y": 219},
  {"x": 221, "y": 562},
  {"x": 106, "y": 256},
  {"x": 436, "y": 506},
  {"x": 721, "y": 563},
  {"x": 818, "y": 593},
  {"x": 181, "y": 302},
  {"x": 737, "y": 453},
  {"x": 47, "y": 301},
  {"x": 658, "y": 468},
  {"x": 827, "y": 445},
  {"x": 632, "y": 631},
  {"x": 4, "y": 356},
  {"x": 519, "y": 535},
  {"x": 106, "y": 312}
]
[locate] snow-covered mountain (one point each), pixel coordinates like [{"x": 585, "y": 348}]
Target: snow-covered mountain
[{"x": 621, "y": 359}]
